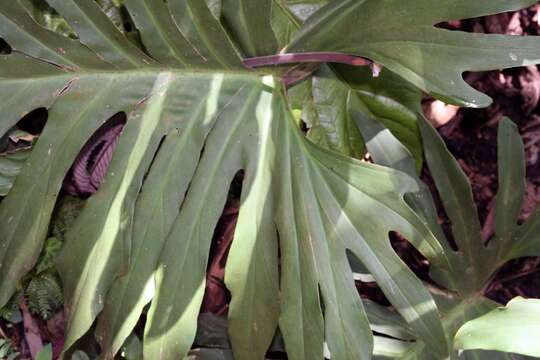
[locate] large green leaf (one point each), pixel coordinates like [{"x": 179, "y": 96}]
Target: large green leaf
[
  {"x": 510, "y": 241},
  {"x": 401, "y": 36},
  {"x": 513, "y": 328},
  {"x": 458, "y": 308},
  {"x": 225, "y": 107},
  {"x": 460, "y": 313},
  {"x": 329, "y": 97},
  {"x": 145, "y": 235}
]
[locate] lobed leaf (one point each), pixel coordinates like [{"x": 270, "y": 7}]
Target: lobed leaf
[
  {"x": 96, "y": 31},
  {"x": 402, "y": 36}
]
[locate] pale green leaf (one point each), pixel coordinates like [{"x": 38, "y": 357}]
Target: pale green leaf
[
  {"x": 45, "y": 353},
  {"x": 513, "y": 328}
]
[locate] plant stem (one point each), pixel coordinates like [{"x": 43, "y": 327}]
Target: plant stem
[{"x": 308, "y": 57}]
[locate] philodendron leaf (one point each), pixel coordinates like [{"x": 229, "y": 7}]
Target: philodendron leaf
[
  {"x": 513, "y": 328},
  {"x": 238, "y": 123},
  {"x": 401, "y": 35},
  {"x": 144, "y": 236},
  {"x": 386, "y": 149},
  {"x": 511, "y": 240}
]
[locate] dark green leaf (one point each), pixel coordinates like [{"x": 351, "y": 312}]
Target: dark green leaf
[
  {"x": 249, "y": 22},
  {"x": 456, "y": 195},
  {"x": 96, "y": 31},
  {"x": 402, "y": 37},
  {"x": 511, "y": 159}
]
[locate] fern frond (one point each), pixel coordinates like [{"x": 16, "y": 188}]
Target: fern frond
[{"x": 44, "y": 295}]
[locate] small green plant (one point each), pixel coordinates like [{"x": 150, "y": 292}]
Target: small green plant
[
  {"x": 40, "y": 288},
  {"x": 7, "y": 351},
  {"x": 44, "y": 295},
  {"x": 211, "y": 88}
]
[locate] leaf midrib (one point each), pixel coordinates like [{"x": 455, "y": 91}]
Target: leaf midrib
[{"x": 145, "y": 71}]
